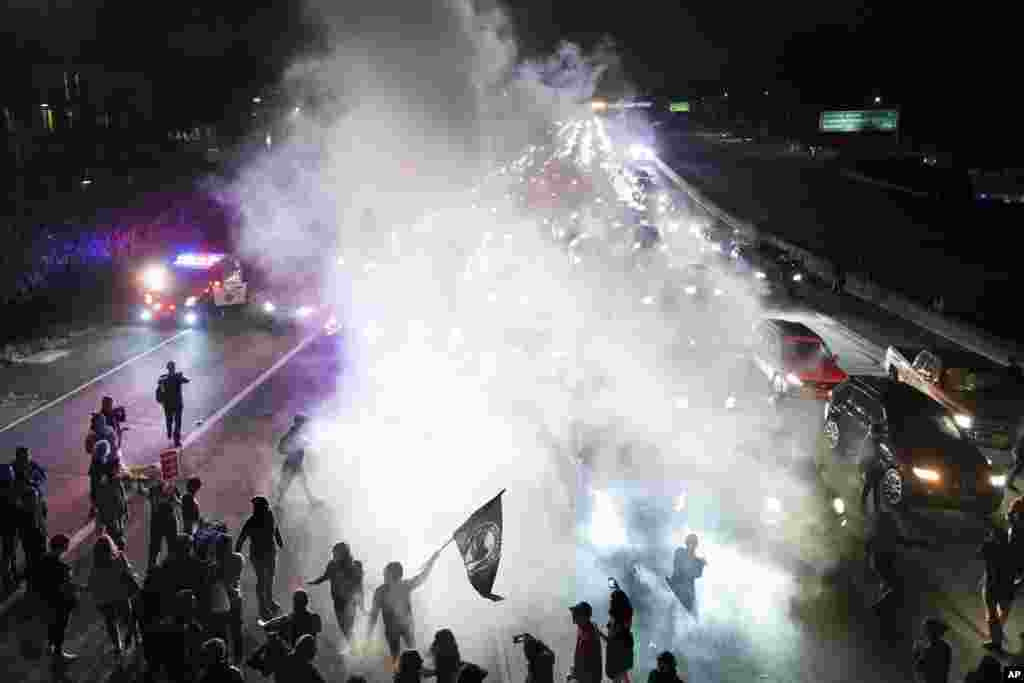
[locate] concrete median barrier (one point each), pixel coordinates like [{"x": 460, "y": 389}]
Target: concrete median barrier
[{"x": 859, "y": 285}]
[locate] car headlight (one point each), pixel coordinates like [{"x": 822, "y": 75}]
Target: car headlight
[
  {"x": 691, "y": 290},
  {"x": 998, "y": 480},
  {"x": 190, "y": 302},
  {"x": 155, "y": 278},
  {"x": 798, "y": 277},
  {"x": 190, "y": 318},
  {"x": 269, "y": 307},
  {"x": 760, "y": 275},
  {"x": 794, "y": 380},
  {"x": 963, "y": 421},
  {"x": 925, "y": 474}
]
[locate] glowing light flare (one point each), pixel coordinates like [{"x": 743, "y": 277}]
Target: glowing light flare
[
  {"x": 607, "y": 528},
  {"x": 155, "y": 278}
]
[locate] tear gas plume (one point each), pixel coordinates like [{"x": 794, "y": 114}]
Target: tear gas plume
[{"x": 480, "y": 353}]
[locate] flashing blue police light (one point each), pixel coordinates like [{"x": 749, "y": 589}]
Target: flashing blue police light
[{"x": 198, "y": 260}]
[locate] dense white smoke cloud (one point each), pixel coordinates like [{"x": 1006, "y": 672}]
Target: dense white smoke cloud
[{"x": 479, "y": 356}]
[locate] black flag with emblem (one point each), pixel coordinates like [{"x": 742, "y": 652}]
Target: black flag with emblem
[{"x": 479, "y": 541}]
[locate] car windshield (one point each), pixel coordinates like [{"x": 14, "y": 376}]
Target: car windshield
[{"x": 807, "y": 352}]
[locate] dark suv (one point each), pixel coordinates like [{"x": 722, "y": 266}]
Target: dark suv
[{"x": 907, "y": 445}]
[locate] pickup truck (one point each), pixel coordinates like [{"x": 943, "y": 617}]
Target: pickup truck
[{"x": 986, "y": 399}]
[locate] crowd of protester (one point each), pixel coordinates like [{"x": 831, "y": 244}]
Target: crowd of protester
[{"x": 184, "y": 620}]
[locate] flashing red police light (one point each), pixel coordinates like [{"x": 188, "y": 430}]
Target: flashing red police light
[{"x": 200, "y": 260}]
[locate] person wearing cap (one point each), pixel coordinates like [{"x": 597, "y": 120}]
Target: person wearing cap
[
  {"x": 293, "y": 446},
  {"x": 173, "y": 401},
  {"x": 932, "y": 655},
  {"x": 687, "y": 568},
  {"x": 1003, "y": 554},
  {"x": 666, "y": 671},
  {"x": 265, "y": 539},
  {"x": 587, "y": 657}
]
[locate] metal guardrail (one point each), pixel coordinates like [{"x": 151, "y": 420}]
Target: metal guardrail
[{"x": 964, "y": 335}]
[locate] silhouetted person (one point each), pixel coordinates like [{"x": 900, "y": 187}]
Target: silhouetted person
[
  {"x": 586, "y": 666},
  {"x": 619, "y": 641},
  {"x": 666, "y": 671},
  {"x": 1003, "y": 553},
  {"x": 165, "y": 522},
  {"x": 887, "y": 540},
  {"x": 55, "y": 589},
  {"x": 298, "y": 667},
  {"x": 109, "y": 498},
  {"x": 265, "y": 539},
  {"x": 346, "y": 577},
  {"x": 932, "y": 655},
  {"x": 393, "y": 603},
  {"x": 190, "y": 517},
  {"x": 297, "y": 623},
  {"x": 448, "y": 664},
  {"x": 113, "y": 418},
  {"x": 687, "y": 567},
  {"x": 113, "y": 592},
  {"x": 8, "y": 528},
  {"x": 293, "y": 446},
  {"x": 409, "y": 667},
  {"x": 216, "y": 668},
  {"x": 989, "y": 671},
  {"x": 173, "y": 401}
]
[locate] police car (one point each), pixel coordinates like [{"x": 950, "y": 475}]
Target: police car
[{"x": 190, "y": 287}]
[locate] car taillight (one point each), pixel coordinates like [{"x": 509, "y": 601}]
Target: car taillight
[{"x": 173, "y": 307}]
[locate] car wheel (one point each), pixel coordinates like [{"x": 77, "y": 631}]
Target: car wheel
[{"x": 890, "y": 489}]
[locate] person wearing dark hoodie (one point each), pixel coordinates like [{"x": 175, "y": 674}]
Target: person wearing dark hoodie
[
  {"x": 265, "y": 539},
  {"x": 346, "y": 577}
]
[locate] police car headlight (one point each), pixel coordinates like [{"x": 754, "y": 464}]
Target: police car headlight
[
  {"x": 963, "y": 421},
  {"x": 190, "y": 318},
  {"x": 269, "y": 307},
  {"x": 155, "y": 278},
  {"x": 998, "y": 480},
  {"x": 925, "y": 474},
  {"x": 190, "y": 302}
]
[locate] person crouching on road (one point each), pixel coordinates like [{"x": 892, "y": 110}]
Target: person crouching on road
[
  {"x": 265, "y": 539},
  {"x": 586, "y": 666},
  {"x": 173, "y": 401},
  {"x": 933, "y": 655},
  {"x": 1003, "y": 553}
]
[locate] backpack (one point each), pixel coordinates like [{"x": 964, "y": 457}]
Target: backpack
[{"x": 161, "y": 390}]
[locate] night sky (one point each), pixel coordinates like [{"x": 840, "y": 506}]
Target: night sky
[{"x": 837, "y": 52}]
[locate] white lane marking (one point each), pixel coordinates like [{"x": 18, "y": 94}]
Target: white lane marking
[
  {"x": 43, "y": 357},
  {"x": 94, "y": 380},
  {"x": 79, "y": 536},
  {"x": 216, "y": 417}
]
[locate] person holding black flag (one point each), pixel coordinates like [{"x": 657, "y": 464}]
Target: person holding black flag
[{"x": 393, "y": 603}]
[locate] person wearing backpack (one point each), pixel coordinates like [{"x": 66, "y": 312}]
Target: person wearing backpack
[{"x": 169, "y": 395}]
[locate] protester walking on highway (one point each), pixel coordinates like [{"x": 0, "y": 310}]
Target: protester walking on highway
[
  {"x": 265, "y": 539},
  {"x": 1003, "y": 553},
  {"x": 114, "y": 418},
  {"x": 169, "y": 395},
  {"x": 293, "y": 446},
  {"x": 164, "y": 520},
  {"x": 619, "y": 640},
  {"x": 58, "y": 594},
  {"x": 393, "y": 603},
  {"x": 586, "y": 667},
  {"x": 114, "y": 587},
  {"x": 666, "y": 670},
  {"x": 346, "y": 577},
  {"x": 109, "y": 499},
  {"x": 932, "y": 655},
  {"x": 29, "y": 496},
  {"x": 687, "y": 568},
  {"x": 190, "y": 517}
]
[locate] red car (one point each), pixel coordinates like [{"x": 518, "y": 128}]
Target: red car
[{"x": 795, "y": 359}]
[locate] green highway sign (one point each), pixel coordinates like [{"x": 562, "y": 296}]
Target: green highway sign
[
  {"x": 859, "y": 120},
  {"x": 679, "y": 106}
]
